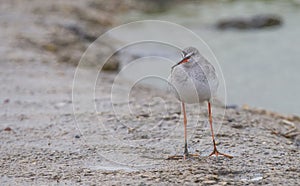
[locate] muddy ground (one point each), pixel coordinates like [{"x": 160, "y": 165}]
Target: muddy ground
[{"x": 42, "y": 143}]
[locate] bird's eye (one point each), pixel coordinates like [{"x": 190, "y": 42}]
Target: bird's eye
[{"x": 185, "y": 60}]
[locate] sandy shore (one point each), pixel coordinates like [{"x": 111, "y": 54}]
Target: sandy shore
[{"x": 41, "y": 144}]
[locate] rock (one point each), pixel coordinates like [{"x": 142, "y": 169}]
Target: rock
[
  {"x": 238, "y": 126},
  {"x": 222, "y": 183},
  {"x": 297, "y": 141},
  {"x": 83, "y": 35},
  {"x": 77, "y": 136},
  {"x": 112, "y": 64},
  {"x": 50, "y": 47},
  {"x": 6, "y": 101},
  {"x": 230, "y": 120},
  {"x": 60, "y": 104},
  {"x": 262, "y": 21},
  {"x": 145, "y": 115},
  {"x": 231, "y": 106},
  {"x": 7, "y": 129},
  {"x": 170, "y": 117},
  {"x": 209, "y": 182},
  {"x": 255, "y": 179},
  {"x": 255, "y": 22}
]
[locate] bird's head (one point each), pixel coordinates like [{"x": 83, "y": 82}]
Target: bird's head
[{"x": 188, "y": 56}]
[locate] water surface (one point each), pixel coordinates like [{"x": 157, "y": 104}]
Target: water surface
[{"x": 260, "y": 67}]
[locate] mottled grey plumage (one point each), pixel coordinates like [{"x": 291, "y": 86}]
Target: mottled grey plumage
[{"x": 193, "y": 81}]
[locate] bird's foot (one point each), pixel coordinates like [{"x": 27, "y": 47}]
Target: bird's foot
[
  {"x": 217, "y": 153},
  {"x": 184, "y": 157}
]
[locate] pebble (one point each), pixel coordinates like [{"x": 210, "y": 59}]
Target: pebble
[
  {"x": 230, "y": 120},
  {"x": 112, "y": 65},
  {"x": 7, "y": 129},
  {"x": 255, "y": 22},
  {"x": 209, "y": 182},
  {"x": 257, "y": 178},
  {"x": 6, "y": 101},
  {"x": 77, "y": 136},
  {"x": 231, "y": 106}
]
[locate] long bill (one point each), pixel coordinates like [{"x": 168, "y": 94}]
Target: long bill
[
  {"x": 176, "y": 65},
  {"x": 184, "y": 60}
]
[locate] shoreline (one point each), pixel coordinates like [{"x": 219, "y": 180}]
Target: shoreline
[{"x": 45, "y": 146}]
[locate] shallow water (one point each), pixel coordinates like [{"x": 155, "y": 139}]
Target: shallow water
[{"x": 260, "y": 67}]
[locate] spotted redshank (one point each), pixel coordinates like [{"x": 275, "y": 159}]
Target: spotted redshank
[{"x": 194, "y": 80}]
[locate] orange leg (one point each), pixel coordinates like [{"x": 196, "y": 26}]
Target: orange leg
[
  {"x": 215, "y": 151},
  {"x": 186, "y": 152}
]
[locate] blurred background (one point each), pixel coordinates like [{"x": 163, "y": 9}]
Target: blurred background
[{"x": 256, "y": 42}]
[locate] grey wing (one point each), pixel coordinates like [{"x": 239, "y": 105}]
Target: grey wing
[{"x": 209, "y": 76}]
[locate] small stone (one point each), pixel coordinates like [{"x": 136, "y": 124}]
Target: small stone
[
  {"x": 172, "y": 117},
  {"x": 144, "y": 115},
  {"x": 50, "y": 47},
  {"x": 77, "y": 136},
  {"x": 111, "y": 65},
  {"x": 144, "y": 176},
  {"x": 6, "y": 101},
  {"x": 230, "y": 120},
  {"x": 255, "y": 22},
  {"x": 7, "y": 129},
  {"x": 222, "y": 183},
  {"x": 59, "y": 105},
  {"x": 145, "y": 136},
  {"x": 256, "y": 178},
  {"x": 209, "y": 182},
  {"x": 297, "y": 141},
  {"x": 237, "y": 126},
  {"x": 231, "y": 106}
]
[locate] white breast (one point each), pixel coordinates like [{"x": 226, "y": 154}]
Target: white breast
[{"x": 193, "y": 85}]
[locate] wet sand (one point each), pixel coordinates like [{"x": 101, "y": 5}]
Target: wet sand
[{"x": 42, "y": 144}]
